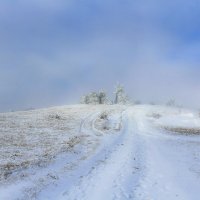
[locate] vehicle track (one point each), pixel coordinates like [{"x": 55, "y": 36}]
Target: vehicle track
[{"x": 116, "y": 175}]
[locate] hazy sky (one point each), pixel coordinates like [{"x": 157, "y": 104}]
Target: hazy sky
[{"x": 52, "y": 52}]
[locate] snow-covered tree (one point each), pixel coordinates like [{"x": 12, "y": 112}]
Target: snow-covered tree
[
  {"x": 91, "y": 98},
  {"x": 171, "y": 102},
  {"x": 84, "y": 99},
  {"x": 102, "y": 97},
  {"x": 120, "y": 95}
]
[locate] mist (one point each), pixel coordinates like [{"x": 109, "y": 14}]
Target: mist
[{"x": 52, "y": 52}]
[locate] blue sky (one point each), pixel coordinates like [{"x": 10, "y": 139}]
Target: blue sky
[{"x": 52, "y": 52}]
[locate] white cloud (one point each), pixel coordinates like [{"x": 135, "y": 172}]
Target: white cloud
[{"x": 53, "y": 51}]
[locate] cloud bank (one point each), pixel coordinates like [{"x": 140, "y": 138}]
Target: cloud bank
[{"x": 52, "y": 52}]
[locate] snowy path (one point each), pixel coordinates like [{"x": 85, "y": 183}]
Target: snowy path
[
  {"x": 141, "y": 162},
  {"x": 172, "y": 164},
  {"x": 115, "y": 176}
]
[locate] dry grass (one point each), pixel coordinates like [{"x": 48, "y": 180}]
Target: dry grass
[
  {"x": 181, "y": 130},
  {"x": 154, "y": 115},
  {"x": 104, "y": 116},
  {"x": 34, "y": 138},
  {"x": 103, "y": 122}
]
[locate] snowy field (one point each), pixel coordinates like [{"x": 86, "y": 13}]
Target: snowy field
[{"x": 100, "y": 153}]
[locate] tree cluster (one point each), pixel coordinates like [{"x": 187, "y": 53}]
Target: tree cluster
[{"x": 101, "y": 97}]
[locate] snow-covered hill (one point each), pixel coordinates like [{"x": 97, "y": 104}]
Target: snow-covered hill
[{"x": 100, "y": 152}]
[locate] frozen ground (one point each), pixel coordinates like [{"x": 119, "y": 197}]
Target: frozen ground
[{"x": 100, "y": 152}]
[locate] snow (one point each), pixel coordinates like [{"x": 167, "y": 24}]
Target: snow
[{"x": 72, "y": 152}]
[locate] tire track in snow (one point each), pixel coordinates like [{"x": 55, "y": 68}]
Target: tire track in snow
[{"x": 115, "y": 177}]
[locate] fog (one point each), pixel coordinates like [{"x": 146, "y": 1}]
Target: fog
[{"x": 52, "y": 52}]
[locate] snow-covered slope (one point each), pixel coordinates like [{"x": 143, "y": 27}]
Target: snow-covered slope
[{"x": 100, "y": 152}]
